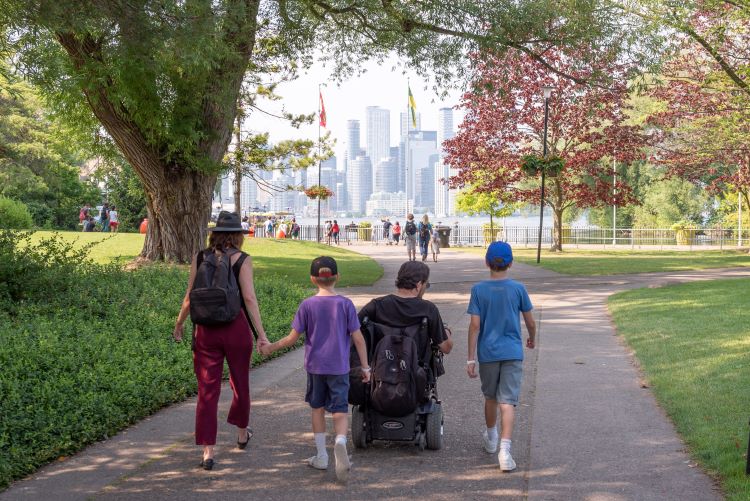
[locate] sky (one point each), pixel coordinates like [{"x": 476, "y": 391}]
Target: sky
[{"x": 380, "y": 85}]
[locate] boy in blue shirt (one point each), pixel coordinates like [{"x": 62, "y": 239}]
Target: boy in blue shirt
[{"x": 495, "y": 344}]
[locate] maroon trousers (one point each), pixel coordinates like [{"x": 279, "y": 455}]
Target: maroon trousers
[{"x": 212, "y": 345}]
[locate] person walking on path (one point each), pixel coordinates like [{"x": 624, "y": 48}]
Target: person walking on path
[
  {"x": 495, "y": 343},
  {"x": 232, "y": 341},
  {"x": 425, "y": 231},
  {"x": 435, "y": 244},
  {"x": 410, "y": 237},
  {"x": 396, "y": 232},
  {"x": 329, "y": 321},
  {"x": 114, "y": 222},
  {"x": 335, "y": 230},
  {"x": 387, "y": 231}
]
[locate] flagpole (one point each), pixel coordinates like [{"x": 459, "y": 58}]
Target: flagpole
[
  {"x": 406, "y": 158},
  {"x": 319, "y": 162}
]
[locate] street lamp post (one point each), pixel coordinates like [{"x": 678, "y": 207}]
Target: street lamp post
[{"x": 547, "y": 93}]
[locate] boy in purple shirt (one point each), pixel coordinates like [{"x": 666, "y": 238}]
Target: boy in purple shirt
[{"x": 328, "y": 321}]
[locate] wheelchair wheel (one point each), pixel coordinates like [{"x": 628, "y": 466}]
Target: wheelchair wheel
[
  {"x": 359, "y": 434},
  {"x": 434, "y": 429}
]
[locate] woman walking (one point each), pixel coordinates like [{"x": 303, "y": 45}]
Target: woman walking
[
  {"x": 424, "y": 231},
  {"x": 435, "y": 244},
  {"x": 233, "y": 341}
]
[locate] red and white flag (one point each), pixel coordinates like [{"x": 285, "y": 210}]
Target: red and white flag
[{"x": 322, "y": 111}]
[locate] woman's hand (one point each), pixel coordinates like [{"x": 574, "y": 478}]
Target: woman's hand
[
  {"x": 177, "y": 333},
  {"x": 263, "y": 342}
]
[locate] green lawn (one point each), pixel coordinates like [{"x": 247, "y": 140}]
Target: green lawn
[
  {"x": 693, "y": 343},
  {"x": 277, "y": 258},
  {"x": 617, "y": 262}
]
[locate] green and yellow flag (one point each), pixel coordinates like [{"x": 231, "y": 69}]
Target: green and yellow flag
[{"x": 412, "y": 108}]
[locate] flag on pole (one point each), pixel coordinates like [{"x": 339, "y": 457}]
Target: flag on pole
[
  {"x": 412, "y": 108},
  {"x": 322, "y": 111}
]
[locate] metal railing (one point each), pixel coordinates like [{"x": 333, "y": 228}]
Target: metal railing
[{"x": 475, "y": 235}]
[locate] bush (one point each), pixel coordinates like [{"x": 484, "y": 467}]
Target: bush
[
  {"x": 14, "y": 215},
  {"x": 86, "y": 349}
]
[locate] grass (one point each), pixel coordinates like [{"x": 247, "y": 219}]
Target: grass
[
  {"x": 286, "y": 260},
  {"x": 693, "y": 343},
  {"x": 617, "y": 262}
]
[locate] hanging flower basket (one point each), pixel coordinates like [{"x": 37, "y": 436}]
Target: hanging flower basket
[
  {"x": 318, "y": 192},
  {"x": 532, "y": 166}
]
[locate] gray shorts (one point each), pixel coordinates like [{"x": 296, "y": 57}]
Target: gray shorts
[
  {"x": 411, "y": 242},
  {"x": 501, "y": 381}
]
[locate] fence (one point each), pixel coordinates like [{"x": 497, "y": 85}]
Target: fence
[{"x": 474, "y": 235}]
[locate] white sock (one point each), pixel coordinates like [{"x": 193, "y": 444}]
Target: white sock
[
  {"x": 320, "y": 444},
  {"x": 492, "y": 433},
  {"x": 341, "y": 439},
  {"x": 505, "y": 444}
]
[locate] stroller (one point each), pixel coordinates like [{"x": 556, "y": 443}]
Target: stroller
[{"x": 401, "y": 403}]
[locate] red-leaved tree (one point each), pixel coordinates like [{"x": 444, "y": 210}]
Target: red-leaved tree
[
  {"x": 703, "y": 125},
  {"x": 505, "y": 121}
]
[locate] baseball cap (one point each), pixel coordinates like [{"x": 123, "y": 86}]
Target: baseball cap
[
  {"x": 323, "y": 266},
  {"x": 499, "y": 254}
]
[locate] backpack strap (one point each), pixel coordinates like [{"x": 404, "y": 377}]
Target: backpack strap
[{"x": 236, "y": 267}]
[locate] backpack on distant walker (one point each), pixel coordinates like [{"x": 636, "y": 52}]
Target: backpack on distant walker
[
  {"x": 410, "y": 228},
  {"x": 215, "y": 297},
  {"x": 424, "y": 231}
]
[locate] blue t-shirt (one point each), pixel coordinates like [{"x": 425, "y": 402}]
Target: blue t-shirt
[
  {"x": 499, "y": 304},
  {"x": 328, "y": 322}
]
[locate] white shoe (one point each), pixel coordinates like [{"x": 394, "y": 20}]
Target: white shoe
[
  {"x": 342, "y": 461},
  {"x": 318, "y": 462},
  {"x": 489, "y": 445},
  {"x": 506, "y": 460}
]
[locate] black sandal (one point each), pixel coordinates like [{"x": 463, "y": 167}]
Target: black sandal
[
  {"x": 207, "y": 464},
  {"x": 242, "y": 445}
]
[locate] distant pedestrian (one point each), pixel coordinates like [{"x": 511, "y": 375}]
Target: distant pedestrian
[
  {"x": 245, "y": 224},
  {"x": 387, "y": 231},
  {"x": 89, "y": 224},
  {"x": 396, "y": 232},
  {"x": 295, "y": 229},
  {"x": 425, "y": 233},
  {"x": 335, "y": 231},
  {"x": 496, "y": 306},
  {"x": 410, "y": 237},
  {"x": 114, "y": 221},
  {"x": 269, "y": 228},
  {"x": 232, "y": 341},
  {"x": 328, "y": 229},
  {"x": 329, "y": 322},
  {"x": 83, "y": 215},
  {"x": 104, "y": 217},
  {"x": 435, "y": 244}
]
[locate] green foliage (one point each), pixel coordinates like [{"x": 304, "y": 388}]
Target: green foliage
[
  {"x": 125, "y": 191},
  {"x": 699, "y": 375},
  {"x": 473, "y": 203},
  {"x": 96, "y": 355},
  {"x": 14, "y": 215},
  {"x": 668, "y": 201},
  {"x": 39, "y": 165}
]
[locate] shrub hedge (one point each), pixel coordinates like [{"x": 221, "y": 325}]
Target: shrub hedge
[
  {"x": 86, "y": 349},
  {"x": 14, "y": 215}
]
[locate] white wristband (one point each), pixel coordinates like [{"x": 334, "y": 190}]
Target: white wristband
[
  {"x": 471, "y": 362},
  {"x": 366, "y": 369}
]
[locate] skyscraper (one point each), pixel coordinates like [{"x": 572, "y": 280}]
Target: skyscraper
[
  {"x": 406, "y": 124},
  {"x": 422, "y": 146},
  {"x": 359, "y": 183},
  {"x": 444, "y": 198},
  {"x": 386, "y": 175},
  {"x": 353, "y": 147},
  {"x": 378, "y": 134}
]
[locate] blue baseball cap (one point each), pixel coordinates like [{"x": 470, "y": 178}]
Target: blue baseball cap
[{"x": 499, "y": 254}]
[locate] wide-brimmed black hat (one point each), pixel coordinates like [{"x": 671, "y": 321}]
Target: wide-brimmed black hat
[{"x": 228, "y": 222}]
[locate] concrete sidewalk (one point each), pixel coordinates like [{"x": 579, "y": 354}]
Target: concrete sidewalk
[{"x": 586, "y": 429}]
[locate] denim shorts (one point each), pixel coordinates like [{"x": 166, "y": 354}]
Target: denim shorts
[
  {"x": 331, "y": 392},
  {"x": 501, "y": 381}
]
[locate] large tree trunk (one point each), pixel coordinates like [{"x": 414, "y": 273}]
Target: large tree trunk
[{"x": 557, "y": 229}]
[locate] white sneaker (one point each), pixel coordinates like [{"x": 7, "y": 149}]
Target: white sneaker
[
  {"x": 342, "y": 461},
  {"x": 506, "y": 460},
  {"x": 318, "y": 462},
  {"x": 489, "y": 445}
]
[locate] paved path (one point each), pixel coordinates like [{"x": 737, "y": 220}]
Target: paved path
[{"x": 586, "y": 429}]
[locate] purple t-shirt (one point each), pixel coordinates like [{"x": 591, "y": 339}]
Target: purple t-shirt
[{"x": 328, "y": 322}]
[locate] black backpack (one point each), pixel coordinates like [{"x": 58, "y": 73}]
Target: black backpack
[
  {"x": 410, "y": 228},
  {"x": 398, "y": 381},
  {"x": 424, "y": 231},
  {"x": 215, "y": 298}
]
